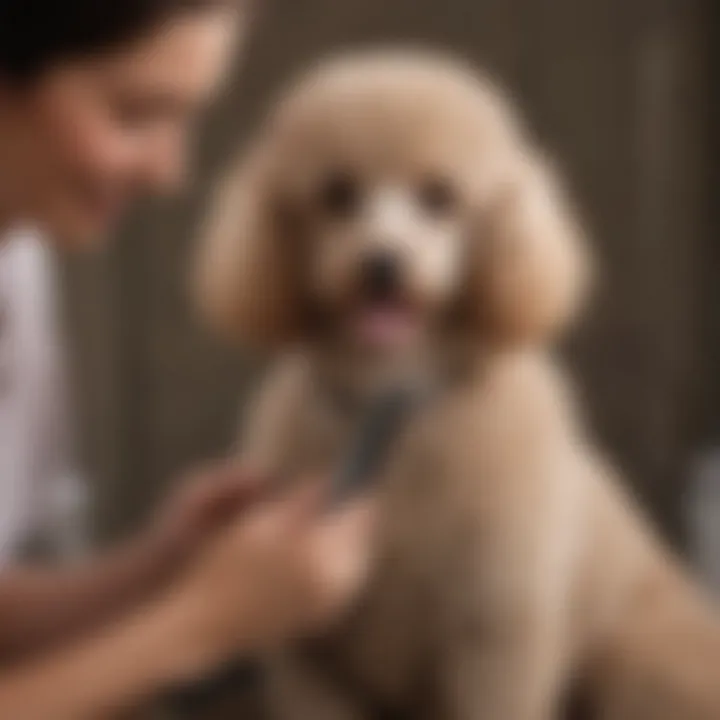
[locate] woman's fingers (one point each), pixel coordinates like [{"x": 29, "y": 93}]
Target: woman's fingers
[
  {"x": 343, "y": 543},
  {"x": 284, "y": 567}
]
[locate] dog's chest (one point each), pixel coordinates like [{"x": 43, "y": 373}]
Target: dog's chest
[{"x": 385, "y": 647}]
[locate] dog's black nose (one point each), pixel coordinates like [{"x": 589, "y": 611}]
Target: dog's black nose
[{"x": 380, "y": 276}]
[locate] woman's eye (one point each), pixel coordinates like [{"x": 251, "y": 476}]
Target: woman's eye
[
  {"x": 437, "y": 197},
  {"x": 340, "y": 195}
]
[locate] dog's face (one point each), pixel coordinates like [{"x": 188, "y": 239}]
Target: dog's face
[
  {"x": 382, "y": 214},
  {"x": 387, "y": 197},
  {"x": 385, "y": 255}
]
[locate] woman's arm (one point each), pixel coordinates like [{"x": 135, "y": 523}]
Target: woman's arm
[
  {"x": 106, "y": 673},
  {"x": 278, "y": 572},
  {"x": 40, "y": 606}
]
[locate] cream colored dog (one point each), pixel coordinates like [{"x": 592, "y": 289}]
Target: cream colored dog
[{"x": 395, "y": 222}]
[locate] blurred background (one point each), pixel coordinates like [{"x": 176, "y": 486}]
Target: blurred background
[{"x": 618, "y": 90}]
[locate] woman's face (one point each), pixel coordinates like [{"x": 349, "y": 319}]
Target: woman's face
[{"x": 83, "y": 140}]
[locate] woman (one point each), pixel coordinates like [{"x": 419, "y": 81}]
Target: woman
[{"x": 96, "y": 103}]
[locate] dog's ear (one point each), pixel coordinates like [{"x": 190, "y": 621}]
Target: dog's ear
[
  {"x": 245, "y": 279},
  {"x": 531, "y": 267}
]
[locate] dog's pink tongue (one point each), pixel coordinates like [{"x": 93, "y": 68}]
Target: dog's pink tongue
[{"x": 384, "y": 326}]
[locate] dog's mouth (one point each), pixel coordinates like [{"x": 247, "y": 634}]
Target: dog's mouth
[{"x": 387, "y": 325}]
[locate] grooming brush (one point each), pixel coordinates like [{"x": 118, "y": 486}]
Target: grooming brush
[{"x": 381, "y": 426}]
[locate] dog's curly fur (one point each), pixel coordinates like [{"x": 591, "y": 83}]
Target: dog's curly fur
[{"x": 512, "y": 565}]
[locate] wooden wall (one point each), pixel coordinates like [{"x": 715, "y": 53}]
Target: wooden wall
[{"x": 617, "y": 89}]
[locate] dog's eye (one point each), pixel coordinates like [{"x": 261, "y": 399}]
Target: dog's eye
[
  {"x": 340, "y": 195},
  {"x": 437, "y": 197}
]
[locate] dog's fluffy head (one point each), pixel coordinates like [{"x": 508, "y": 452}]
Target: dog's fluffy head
[{"x": 386, "y": 194}]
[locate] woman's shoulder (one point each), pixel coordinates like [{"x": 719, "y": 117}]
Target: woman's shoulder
[
  {"x": 27, "y": 276},
  {"x": 26, "y": 251}
]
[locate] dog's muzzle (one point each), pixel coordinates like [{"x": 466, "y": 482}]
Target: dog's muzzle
[{"x": 380, "y": 276}]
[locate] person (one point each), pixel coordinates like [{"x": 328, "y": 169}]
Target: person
[{"x": 97, "y": 101}]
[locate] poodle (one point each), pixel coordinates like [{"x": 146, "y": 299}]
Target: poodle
[{"x": 394, "y": 221}]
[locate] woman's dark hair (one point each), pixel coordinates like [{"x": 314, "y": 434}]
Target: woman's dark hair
[{"x": 36, "y": 34}]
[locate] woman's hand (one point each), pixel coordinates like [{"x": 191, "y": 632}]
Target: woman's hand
[
  {"x": 278, "y": 570},
  {"x": 281, "y": 570},
  {"x": 202, "y": 504},
  {"x": 46, "y": 606}
]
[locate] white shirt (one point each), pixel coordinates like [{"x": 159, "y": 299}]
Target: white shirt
[
  {"x": 705, "y": 516},
  {"x": 38, "y": 488}
]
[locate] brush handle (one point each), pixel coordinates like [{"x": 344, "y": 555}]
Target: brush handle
[{"x": 372, "y": 443}]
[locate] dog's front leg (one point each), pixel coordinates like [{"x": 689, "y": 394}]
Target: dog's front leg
[
  {"x": 298, "y": 691},
  {"x": 505, "y": 604},
  {"x": 509, "y": 673}
]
